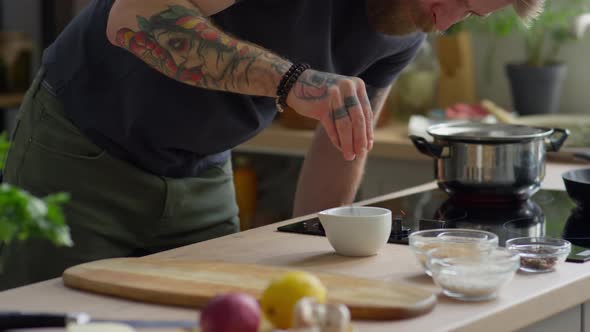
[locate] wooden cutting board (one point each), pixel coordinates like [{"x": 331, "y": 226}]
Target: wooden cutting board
[{"x": 192, "y": 283}]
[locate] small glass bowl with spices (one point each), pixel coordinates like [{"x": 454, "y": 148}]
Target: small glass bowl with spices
[
  {"x": 474, "y": 277},
  {"x": 539, "y": 254},
  {"x": 461, "y": 241}
]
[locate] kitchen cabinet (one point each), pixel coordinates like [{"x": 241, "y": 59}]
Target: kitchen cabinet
[
  {"x": 570, "y": 320},
  {"x": 575, "y": 319},
  {"x": 384, "y": 175},
  {"x": 586, "y": 317}
]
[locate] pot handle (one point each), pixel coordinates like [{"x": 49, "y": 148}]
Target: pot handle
[
  {"x": 555, "y": 143},
  {"x": 426, "y": 148}
]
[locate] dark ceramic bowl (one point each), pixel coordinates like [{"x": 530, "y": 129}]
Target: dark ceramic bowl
[{"x": 577, "y": 184}]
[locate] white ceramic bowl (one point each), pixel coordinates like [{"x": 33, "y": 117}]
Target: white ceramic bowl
[{"x": 357, "y": 230}]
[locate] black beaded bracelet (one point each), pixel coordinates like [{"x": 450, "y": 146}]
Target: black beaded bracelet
[{"x": 287, "y": 82}]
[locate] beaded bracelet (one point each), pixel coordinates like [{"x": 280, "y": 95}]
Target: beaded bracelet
[{"x": 287, "y": 82}]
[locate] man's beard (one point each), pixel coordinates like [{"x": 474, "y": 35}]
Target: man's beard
[{"x": 398, "y": 17}]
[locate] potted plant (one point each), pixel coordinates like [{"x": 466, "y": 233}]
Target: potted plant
[
  {"x": 536, "y": 81},
  {"x": 24, "y": 216}
]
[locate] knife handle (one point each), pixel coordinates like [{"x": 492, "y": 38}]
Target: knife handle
[{"x": 18, "y": 320}]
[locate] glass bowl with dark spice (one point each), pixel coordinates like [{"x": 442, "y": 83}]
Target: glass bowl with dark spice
[{"x": 539, "y": 254}]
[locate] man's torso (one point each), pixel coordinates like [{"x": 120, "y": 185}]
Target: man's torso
[{"x": 176, "y": 130}]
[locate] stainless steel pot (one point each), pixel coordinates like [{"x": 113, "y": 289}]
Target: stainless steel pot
[{"x": 479, "y": 161}]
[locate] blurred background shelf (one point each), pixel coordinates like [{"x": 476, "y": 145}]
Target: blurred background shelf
[
  {"x": 391, "y": 142},
  {"x": 11, "y": 100}
]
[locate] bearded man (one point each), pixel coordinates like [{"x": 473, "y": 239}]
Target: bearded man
[{"x": 139, "y": 102}]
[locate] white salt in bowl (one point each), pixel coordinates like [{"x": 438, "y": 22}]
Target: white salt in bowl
[
  {"x": 357, "y": 230},
  {"x": 475, "y": 277},
  {"x": 461, "y": 241}
]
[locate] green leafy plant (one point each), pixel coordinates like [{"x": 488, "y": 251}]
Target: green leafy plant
[
  {"x": 24, "y": 216},
  {"x": 543, "y": 38},
  {"x": 4, "y": 146}
]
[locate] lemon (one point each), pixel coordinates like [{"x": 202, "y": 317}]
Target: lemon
[{"x": 279, "y": 298}]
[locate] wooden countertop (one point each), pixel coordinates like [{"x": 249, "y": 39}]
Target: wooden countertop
[
  {"x": 391, "y": 141},
  {"x": 525, "y": 300}
]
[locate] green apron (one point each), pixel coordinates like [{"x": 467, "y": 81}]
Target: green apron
[{"x": 116, "y": 209}]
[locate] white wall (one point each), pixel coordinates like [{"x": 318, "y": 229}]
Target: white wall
[{"x": 576, "y": 94}]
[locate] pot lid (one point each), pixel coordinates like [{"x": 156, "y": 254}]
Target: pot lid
[{"x": 475, "y": 131}]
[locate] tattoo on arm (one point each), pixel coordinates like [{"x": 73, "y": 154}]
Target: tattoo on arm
[{"x": 183, "y": 44}]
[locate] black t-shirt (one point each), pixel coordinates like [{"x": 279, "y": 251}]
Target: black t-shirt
[{"x": 175, "y": 130}]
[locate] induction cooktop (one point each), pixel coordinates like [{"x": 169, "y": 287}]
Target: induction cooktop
[{"x": 548, "y": 213}]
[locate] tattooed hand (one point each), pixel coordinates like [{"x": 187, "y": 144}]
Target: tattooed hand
[
  {"x": 179, "y": 41},
  {"x": 341, "y": 105}
]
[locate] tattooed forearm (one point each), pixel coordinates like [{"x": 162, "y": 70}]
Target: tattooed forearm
[
  {"x": 279, "y": 65},
  {"x": 184, "y": 45}
]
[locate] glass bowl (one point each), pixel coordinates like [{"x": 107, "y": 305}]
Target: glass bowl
[
  {"x": 539, "y": 254},
  {"x": 462, "y": 240},
  {"x": 453, "y": 251},
  {"x": 476, "y": 277}
]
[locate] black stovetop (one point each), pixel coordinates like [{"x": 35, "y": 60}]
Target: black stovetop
[{"x": 549, "y": 213}]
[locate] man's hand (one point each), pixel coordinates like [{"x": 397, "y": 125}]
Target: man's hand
[
  {"x": 326, "y": 180},
  {"x": 176, "y": 38},
  {"x": 341, "y": 105}
]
